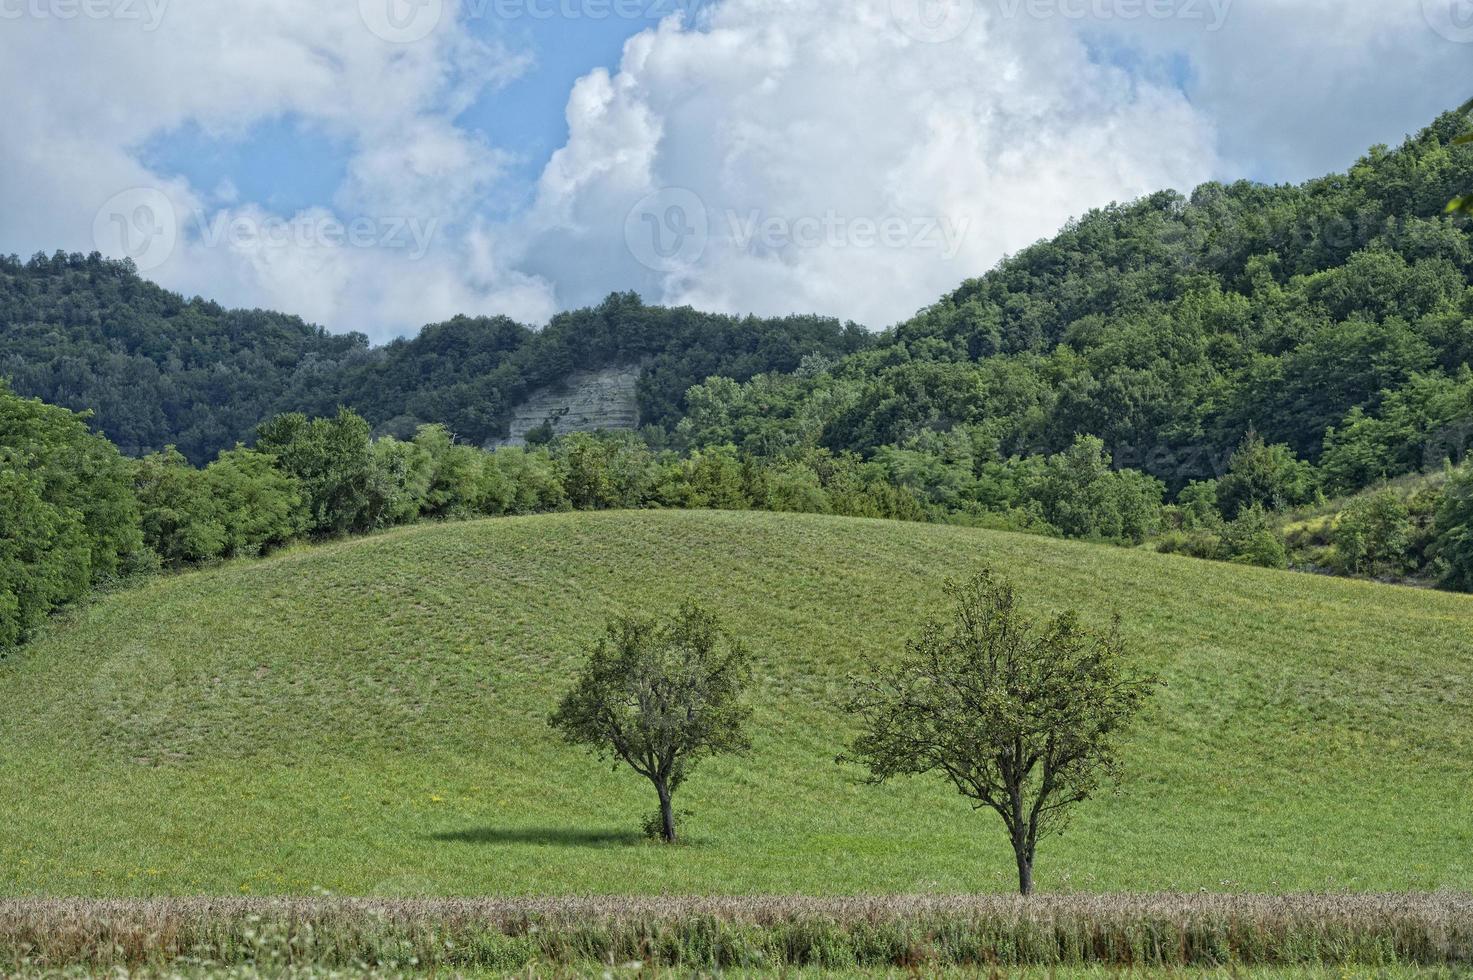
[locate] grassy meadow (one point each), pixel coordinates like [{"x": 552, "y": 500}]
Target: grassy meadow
[{"x": 368, "y": 718}]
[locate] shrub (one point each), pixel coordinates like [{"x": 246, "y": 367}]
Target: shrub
[
  {"x": 79, "y": 473},
  {"x": 179, "y": 512},
  {"x": 260, "y": 507},
  {"x": 238, "y": 505},
  {"x": 1082, "y": 496},
  {"x": 1196, "y": 506},
  {"x": 523, "y": 481},
  {"x": 398, "y": 483},
  {"x": 1265, "y": 476},
  {"x": 1251, "y": 539},
  {"x": 455, "y": 479},
  {"x": 1373, "y": 535}
]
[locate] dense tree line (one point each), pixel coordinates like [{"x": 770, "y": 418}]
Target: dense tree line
[
  {"x": 88, "y": 334},
  {"x": 68, "y": 517},
  {"x": 1333, "y": 318},
  {"x": 77, "y": 513},
  {"x": 157, "y": 370}
]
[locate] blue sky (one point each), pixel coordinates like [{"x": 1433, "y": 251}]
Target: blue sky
[
  {"x": 857, "y": 159},
  {"x": 288, "y": 163},
  {"x": 529, "y": 112}
]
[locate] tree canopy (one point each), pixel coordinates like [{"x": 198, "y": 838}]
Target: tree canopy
[
  {"x": 660, "y": 696},
  {"x": 1022, "y": 717}
]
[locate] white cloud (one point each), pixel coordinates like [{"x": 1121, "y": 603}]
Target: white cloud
[
  {"x": 1301, "y": 88},
  {"x": 84, "y": 94},
  {"x": 844, "y": 166},
  {"x": 791, "y": 155}
]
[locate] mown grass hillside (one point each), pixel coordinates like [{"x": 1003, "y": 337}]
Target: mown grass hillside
[{"x": 368, "y": 717}]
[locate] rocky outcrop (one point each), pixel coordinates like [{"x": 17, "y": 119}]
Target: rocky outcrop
[{"x": 585, "y": 402}]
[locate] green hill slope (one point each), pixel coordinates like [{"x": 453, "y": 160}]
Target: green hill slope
[{"x": 368, "y": 717}]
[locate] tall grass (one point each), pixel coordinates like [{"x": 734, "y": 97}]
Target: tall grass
[{"x": 1153, "y": 931}]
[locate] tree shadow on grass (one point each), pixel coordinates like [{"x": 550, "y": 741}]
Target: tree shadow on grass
[{"x": 543, "y": 836}]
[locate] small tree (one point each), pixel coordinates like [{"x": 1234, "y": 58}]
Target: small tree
[
  {"x": 1022, "y": 718},
  {"x": 660, "y": 696},
  {"x": 1269, "y": 476},
  {"x": 1374, "y": 534}
]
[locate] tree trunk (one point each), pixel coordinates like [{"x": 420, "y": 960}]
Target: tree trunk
[
  {"x": 1025, "y": 871},
  {"x": 667, "y": 813},
  {"x": 1018, "y": 830}
]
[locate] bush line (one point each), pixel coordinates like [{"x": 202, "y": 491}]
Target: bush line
[{"x": 1143, "y": 931}]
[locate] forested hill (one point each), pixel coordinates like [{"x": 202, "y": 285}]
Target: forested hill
[
  {"x": 87, "y": 333},
  {"x": 1334, "y": 318},
  {"x": 469, "y": 374}
]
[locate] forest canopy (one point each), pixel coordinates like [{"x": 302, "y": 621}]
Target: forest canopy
[{"x": 157, "y": 370}]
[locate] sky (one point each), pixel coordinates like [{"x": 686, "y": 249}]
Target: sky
[{"x": 376, "y": 165}]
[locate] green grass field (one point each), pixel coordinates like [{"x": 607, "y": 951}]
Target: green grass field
[{"x": 368, "y": 717}]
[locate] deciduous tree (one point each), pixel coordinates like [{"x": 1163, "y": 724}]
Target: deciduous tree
[
  {"x": 1022, "y": 717},
  {"x": 660, "y": 695}
]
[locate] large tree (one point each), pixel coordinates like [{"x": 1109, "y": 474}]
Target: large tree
[
  {"x": 660, "y": 695},
  {"x": 1022, "y": 717}
]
